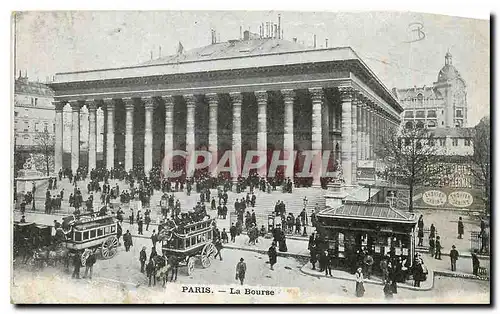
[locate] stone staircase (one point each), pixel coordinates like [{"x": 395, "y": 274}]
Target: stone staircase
[{"x": 264, "y": 203}]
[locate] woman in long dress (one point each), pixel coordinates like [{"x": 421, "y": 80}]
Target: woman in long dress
[{"x": 360, "y": 289}]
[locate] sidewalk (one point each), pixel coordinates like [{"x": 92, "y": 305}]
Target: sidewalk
[{"x": 297, "y": 248}]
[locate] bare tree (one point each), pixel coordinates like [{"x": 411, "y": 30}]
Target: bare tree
[
  {"x": 45, "y": 144},
  {"x": 480, "y": 160},
  {"x": 410, "y": 157}
]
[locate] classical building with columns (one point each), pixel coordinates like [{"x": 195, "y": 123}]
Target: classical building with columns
[{"x": 251, "y": 94}]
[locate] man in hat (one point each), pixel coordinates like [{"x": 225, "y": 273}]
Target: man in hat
[
  {"x": 438, "y": 248},
  {"x": 475, "y": 263},
  {"x": 241, "y": 269},
  {"x": 273, "y": 255},
  {"x": 453, "y": 258},
  {"x": 143, "y": 258}
]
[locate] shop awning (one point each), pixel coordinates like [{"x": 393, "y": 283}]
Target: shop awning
[{"x": 368, "y": 211}]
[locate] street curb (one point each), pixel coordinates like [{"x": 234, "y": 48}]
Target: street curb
[
  {"x": 371, "y": 281},
  {"x": 261, "y": 251},
  {"x": 466, "y": 254},
  {"x": 459, "y": 275}
]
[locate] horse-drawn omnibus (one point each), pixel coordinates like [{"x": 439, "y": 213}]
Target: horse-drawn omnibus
[
  {"x": 90, "y": 232},
  {"x": 189, "y": 243}
]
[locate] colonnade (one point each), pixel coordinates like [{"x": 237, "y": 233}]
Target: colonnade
[{"x": 363, "y": 123}]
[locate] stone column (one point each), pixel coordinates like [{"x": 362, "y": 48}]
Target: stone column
[
  {"x": 213, "y": 146},
  {"x": 373, "y": 126},
  {"x": 190, "y": 136},
  {"x": 325, "y": 132},
  {"x": 148, "y": 134},
  {"x": 317, "y": 132},
  {"x": 361, "y": 118},
  {"x": 261, "y": 97},
  {"x": 346, "y": 102},
  {"x": 288, "y": 98},
  {"x": 354, "y": 141},
  {"x": 236, "y": 99},
  {"x": 129, "y": 133},
  {"x": 169, "y": 125},
  {"x": 359, "y": 121},
  {"x": 75, "y": 136},
  {"x": 58, "y": 149},
  {"x": 92, "y": 134},
  {"x": 110, "y": 134},
  {"x": 365, "y": 132},
  {"x": 370, "y": 132}
]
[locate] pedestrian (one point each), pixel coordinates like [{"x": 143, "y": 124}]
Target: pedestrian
[
  {"x": 89, "y": 265},
  {"x": 139, "y": 225},
  {"x": 420, "y": 226},
  {"x": 360, "y": 288},
  {"x": 453, "y": 258},
  {"x": 432, "y": 231},
  {"x": 154, "y": 238},
  {"x": 77, "y": 262},
  {"x": 313, "y": 254},
  {"x": 460, "y": 228},
  {"x": 150, "y": 272},
  {"x": 127, "y": 240},
  {"x": 368, "y": 264},
  {"x": 432, "y": 246},
  {"x": 232, "y": 231},
  {"x": 475, "y": 263},
  {"x": 224, "y": 236},
  {"x": 388, "y": 290},
  {"x": 143, "y": 258},
  {"x": 174, "y": 264},
  {"x": 328, "y": 264},
  {"x": 241, "y": 269},
  {"x": 273, "y": 255},
  {"x": 384, "y": 267},
  {"x": 438, "y": 248},
  {"x": 218, "y": 246},
  {"x": 153, "y": 253}
]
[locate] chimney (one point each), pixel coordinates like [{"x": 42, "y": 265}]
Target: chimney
[
  {"x": 295, "y": 39},
  {"x": 275, "y": 30},
  {"x": 314, "y": 45},
  {"x": 326, "y": 42},
  {"x": 159, "y": 52},
  {"x": 282, "y": 34},
  {"x": 151, "y": 52},
  {"x": 267, "y": 29},
  {"x": 279, "y": 26},
  {"x": 260, "y": 31},
  {"x": 240, "y": 31}
]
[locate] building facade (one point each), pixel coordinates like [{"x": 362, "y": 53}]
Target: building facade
[
  {"x": 441, "y": 105},
  {"x": 33, "y": 113},
  {"x": 250, "y": 94}
]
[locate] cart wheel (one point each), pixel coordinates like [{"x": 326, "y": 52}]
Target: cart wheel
[
  {"x": 84, "y": 256},
  {"x": 207, "y": 254},
  {"x": 190, "y": 266},
  {"x": 108, "y": 247}
]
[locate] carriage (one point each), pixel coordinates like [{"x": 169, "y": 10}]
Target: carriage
[
  {"x": 29, "y": 236},
  {"x": 91, "y": 232},
  {"x": 189, "y": 243}
]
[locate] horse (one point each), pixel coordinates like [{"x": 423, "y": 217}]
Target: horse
[{"x": 162, "y": 268}]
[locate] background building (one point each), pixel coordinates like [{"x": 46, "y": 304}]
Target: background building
[
  {"x": 33, "y": 114},
  {"x": 442, "y": 105}
]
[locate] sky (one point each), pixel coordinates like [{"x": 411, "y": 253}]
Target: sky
[{"x": 50, "y": 42}]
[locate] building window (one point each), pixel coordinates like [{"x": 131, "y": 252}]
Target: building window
[
  {"x": 459, "y": 113},
  {"x": 409, "y": 114},
  {"x": 420, "y": 114},
  {"x": 431, "y": 124},
  {"x": 467, "y": 142},
  {"x": 458, "y": 124},
  {"x": 16, "y": 113},
  {"x": 420, "y": 98},
  {"x": 36, "y": 101},
  {"x": 431, "y": 114},
  {"x": 454, "y": 142},
  {"x": 32, "y": 101},
  {"x": 442, "y": 142}
]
